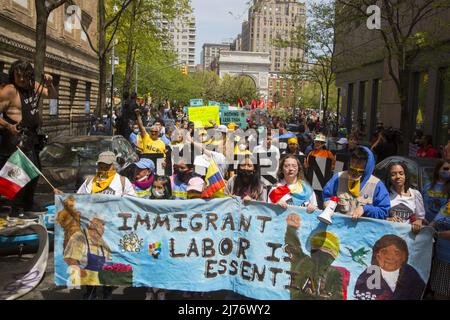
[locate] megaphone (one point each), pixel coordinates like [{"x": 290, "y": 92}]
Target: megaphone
[{"x": 328, "y": 212}]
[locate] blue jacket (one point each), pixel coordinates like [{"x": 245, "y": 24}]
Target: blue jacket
[{"x": 381, "y": 201}]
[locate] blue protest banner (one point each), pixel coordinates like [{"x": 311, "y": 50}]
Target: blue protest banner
[
  {"x": 238, "y": 116},
  {"x": 258, "y": 250},
  {"x": 196, "y": 103},
  {"x": 213, "y": 103}
]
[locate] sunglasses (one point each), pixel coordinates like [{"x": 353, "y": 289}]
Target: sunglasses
[
  {"x": 445, "y": 169},
  {"x": 357, "y": 170},
  {"x": 153, "y": 131}
]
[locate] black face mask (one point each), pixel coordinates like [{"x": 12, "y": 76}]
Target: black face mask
[{"x": 245, "y": 173}]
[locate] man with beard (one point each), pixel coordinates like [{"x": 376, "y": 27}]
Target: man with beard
[{"x": 20, "y": 124}]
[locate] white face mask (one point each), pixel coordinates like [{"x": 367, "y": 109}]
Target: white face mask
[
  {"x": 136, "y": 131},
  {"x": 158, "y": 193}
]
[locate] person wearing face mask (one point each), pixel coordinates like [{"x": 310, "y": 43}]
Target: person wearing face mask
[
  {"x": 133, "y": 138},
  {"x": 436, "y": 193},
  {"x": 247, "y": 182},
  {"x": 161, "y": 189},
  {"x": 143, "y": 177},
  {"x": 149, "y": 143},
  {"x": 359, "y": 192},
  {"x": 292, "y": 189},
  {"x": 106, "y": 179},
  {"x": 179, "y": 180}
]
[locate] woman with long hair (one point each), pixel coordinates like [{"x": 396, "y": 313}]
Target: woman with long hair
[
  {"x": 406, "y": 202},
  {"x": 292, "y": 189},
  {"x": 247, "y": 182}
]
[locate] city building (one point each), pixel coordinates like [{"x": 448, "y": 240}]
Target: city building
[
  {"x": 183, "y": 34},
  {"x": 69, "y": 58},
  {"x": 368, "y": 93},
  {"x": 210, "y": 52},
  {"x": 237, "y": 44},
  {"x": 283, "y": 90},
  {"x": 269, "y": 20}
]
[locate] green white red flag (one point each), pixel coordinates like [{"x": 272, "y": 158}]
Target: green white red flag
[{"x": 16, "y": 173}]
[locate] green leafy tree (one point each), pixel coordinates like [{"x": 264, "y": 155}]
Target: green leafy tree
[{"x": 404, "y": 35}]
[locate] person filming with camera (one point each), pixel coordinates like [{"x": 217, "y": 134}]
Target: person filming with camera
[{"x": 20, "y": 126}]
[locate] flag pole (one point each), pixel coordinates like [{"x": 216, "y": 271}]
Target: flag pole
[{"x": 36, "y": 168}]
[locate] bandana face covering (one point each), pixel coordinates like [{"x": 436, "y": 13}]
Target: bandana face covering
[
  {"x": 354, "y": 183},
  {"x": 102, "y": 180}
]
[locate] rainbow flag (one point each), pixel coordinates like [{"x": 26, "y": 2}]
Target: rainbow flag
[{"x": 214, "y": 181}]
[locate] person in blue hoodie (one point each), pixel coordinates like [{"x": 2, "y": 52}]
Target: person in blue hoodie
[{"x": 359, "y": 192}]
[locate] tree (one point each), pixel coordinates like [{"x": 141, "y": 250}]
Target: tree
[
  {"x": 403, "y": 38},
  {"x": 109, "y": 16},
  {"x": 143, "y": 38},
  {"x": 43, "y": 10}
]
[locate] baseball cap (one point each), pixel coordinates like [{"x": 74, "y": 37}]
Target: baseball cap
[
  {"x": 342, "y": 141},
  {"x": 320, "y": 137},
  {"x": 222, "y": 128},
  {"x": 195, "y": 184},
  {"x": 145, "y": 163},
  {"x": 107, "y": 157}
]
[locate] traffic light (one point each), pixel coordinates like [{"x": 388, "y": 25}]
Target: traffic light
[{"x": 184, "y": 70}]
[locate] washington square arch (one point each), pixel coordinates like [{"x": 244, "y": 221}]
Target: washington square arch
[{"x": 243, "y": 63}]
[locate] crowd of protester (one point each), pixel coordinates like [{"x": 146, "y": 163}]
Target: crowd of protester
[{"x": 286, "y": 152}]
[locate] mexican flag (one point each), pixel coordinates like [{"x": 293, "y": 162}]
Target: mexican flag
[{"x": 16, "y": 173}]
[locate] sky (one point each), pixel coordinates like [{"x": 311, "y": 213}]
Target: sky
[{"x": 214, "y": 22}]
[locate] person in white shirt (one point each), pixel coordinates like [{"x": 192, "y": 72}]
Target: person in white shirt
[
  {"x": 106, "y": 179},
  {"x": 406, "y": 203},
  {"x": 269, "y": 156}
]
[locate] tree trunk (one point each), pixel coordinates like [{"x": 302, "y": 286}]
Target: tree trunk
[
  {"x": 129, "y": 64},
  {"x": 41, "y": 44},
  {"x": 325, "y": 103},
  {"x": 406, "y": 119},
  {"x": 102, "y": 58}
]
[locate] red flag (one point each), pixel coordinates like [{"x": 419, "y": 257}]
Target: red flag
[
  {"x": 279, "y": 193},
  {"x": 253, "y": 104},
  {"x": 240, "y": 103}
]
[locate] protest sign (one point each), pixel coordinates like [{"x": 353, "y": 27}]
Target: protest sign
[
  {"x": 237, "y": 117},
  {"x": 196, "y": 102},
  {"x": 258, "y": 250},
  {"x": 201, "y": 116}
]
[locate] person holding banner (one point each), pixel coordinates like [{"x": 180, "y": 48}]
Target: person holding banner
[
  {"x": 359, "y": 192},
  {"x": 440, "y": 272},
  {"x": 182, "y": 173},
  {"x": 247, "y": 183},
  {"x": 143, "y": 177},
  {"x": 106, "y": 179},
  {"x": 406, "y": 203},
  {"x": 292, "y": 189},
  {"x": 436, "y": 193}
]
